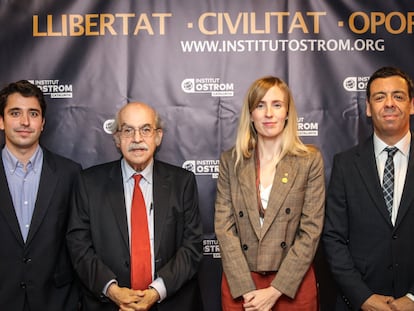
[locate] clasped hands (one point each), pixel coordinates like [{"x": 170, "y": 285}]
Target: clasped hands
[
  {"x": 261, "y": 299},
  {"x": 387, "y": 303},
  {"x": 132, "y": 300}
]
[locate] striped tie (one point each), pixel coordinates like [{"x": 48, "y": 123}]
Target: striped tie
[{"x": 388, "y": 179}]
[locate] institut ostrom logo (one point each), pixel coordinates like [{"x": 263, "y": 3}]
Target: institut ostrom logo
[
  {"x": 203, "y": 167},
  {"x": 54, "y": 88},
  {"x": 355, "y": 84},
  {"x": 211, "y": 86}
]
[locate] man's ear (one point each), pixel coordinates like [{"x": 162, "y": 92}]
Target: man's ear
[
  {"x": 368, "y": 109},
  {"x": 117, "y": 140},
  {"x": 412, "y": 106},
  {"x": 158, "y": 137}
]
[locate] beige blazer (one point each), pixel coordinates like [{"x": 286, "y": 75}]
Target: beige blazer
[{"x": 292, "y": 226}]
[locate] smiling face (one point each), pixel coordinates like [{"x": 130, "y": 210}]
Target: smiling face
[
  {"x": 390, "y": 107},
  {"x": 22, "y": 123},
  {"x": 269, "y": 116},
  {"x": 138, "y": 150}
]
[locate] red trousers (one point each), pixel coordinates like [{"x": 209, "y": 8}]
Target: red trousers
[{"x": 306, "y": 298}]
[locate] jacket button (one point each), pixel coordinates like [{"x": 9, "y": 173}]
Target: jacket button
[
  {"x": 283, "y": 244},
  {"x": 241, "y": 214},
  {"x": 287, "y": 211},
  {"x": 245, "y": 247},
  {"x": 27, "y": 260},
  {"x": 23, "y": 285}
]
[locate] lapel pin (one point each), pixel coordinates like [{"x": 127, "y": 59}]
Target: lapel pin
[{"x": 284, "y": 179}]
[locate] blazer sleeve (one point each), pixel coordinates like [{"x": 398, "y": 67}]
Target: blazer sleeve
[
  {"x": 91, "y": 270},
  {"x": 300, "y": 256},
  {"x": 336, "y": 237},
  {"x": 181, "y": 243},
  {"x": 234, "y": 263}
]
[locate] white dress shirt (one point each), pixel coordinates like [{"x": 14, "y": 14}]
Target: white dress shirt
[{"x": 401, "y": 158}]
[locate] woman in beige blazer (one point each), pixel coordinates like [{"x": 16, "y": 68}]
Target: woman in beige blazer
[{"x": 270, "y": 207}]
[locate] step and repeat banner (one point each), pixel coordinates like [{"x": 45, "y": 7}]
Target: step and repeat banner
[{"x": 193, "y": 61}]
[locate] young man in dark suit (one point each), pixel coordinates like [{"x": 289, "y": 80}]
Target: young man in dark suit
[
  {"x": 99, "y": 234},
  {"x": 35, "y": 190},
  {"x": 369, "y": 224}
]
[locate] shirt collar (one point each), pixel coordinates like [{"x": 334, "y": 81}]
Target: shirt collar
[
  {"x": 128, "y": 172},
  {"x": 12, "y": 163},
  {"x": 403, "y": 145}
]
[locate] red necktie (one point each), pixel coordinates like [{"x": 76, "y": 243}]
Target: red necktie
[{"x": 140, "y": 244}]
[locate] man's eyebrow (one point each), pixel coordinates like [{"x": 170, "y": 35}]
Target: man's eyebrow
[
  {"x": 392, "y": 92},
  {"x": 126, "y": 124},
  {"x": 18, "y": 108}
]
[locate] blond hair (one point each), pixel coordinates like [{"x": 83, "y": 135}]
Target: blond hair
[{"x": 246, "y": 139}]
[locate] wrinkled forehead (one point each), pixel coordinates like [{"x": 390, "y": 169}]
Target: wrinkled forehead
[{"x": 137, "y": 115}]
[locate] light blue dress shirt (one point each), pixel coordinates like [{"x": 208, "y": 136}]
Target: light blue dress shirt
[
  {"x": 23, "y": 185},
  {"x": 146, "y": 185}
]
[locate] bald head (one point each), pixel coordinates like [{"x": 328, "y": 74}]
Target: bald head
[{"x": 138, "y": 134}]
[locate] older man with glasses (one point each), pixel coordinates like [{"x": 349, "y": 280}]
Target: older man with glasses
[{"x": 135, "y": 233}]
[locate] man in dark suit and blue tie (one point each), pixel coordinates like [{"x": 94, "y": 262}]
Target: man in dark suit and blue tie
[
  {"x": 100, "y": 229},
  {"x": 369, "y": 224},
  {"x": 35, "y": 190}
]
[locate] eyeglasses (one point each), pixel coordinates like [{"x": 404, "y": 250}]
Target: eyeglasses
[{"x": 144, "y": 131}]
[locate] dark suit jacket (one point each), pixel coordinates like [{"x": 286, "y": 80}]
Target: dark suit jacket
[
  {"x": 39, "y": 269},
  {"x": 98, "y": 234},
  {"x": 367, "y": 254}
]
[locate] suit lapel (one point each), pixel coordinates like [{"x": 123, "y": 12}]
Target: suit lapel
[
  {"x": 161, "y": 190},
  {"x": 7, "y": 207},
  {"x": 115, "y": 190},
  {"x": 408, "y": 193},
  {"x": 247, "y": 181},
  {"x": 366, "y": 164},
  {"x": 47, "y": 185},
  {"x": 286, "y": 171}
]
